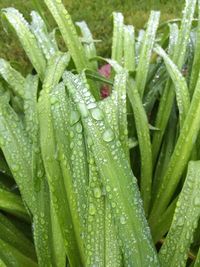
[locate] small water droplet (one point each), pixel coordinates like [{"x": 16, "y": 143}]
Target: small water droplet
[
  {"x": 97, "y": 114},
  {"x": 53, "y": 100},
  {"x": 74, "y": 117},
  {"x": 108, "y": 189},
  {"x": 122, "y": 220},
  {"x": 79, "y": 128},
  {"x": 89, "y": 141},
  {"x": 91, "y": 105},
  {"x": 92, "y": 209},
  {"x": 15, "y": 167},
  {"x": 97, "y": 192},
  {"x": 83, "y": 109},
  {"x": 197, "y": 201},
  {"x": 108, "y": 135},
  {"x": 180, "y": 221}
]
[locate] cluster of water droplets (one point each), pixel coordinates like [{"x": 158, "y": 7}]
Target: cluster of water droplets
[
  {"x": 44, "y": 40},
  {"x": 114, "y": 171}
]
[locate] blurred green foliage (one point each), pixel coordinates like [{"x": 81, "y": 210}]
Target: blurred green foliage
[{"x": 98, "y": 15}]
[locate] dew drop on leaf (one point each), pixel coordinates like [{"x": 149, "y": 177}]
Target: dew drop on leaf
[
  {"x": 197, "y": 201},
  {"x": 83, "y": 109},
  {"x": 97, "y": 192},
  {"x": 108, "y": 135},
  {"x": 92, "y": 209},
  {"x": 79, "y": 128},
  {"x": 97, "y": 114},
  {"x": 122, "y": 220},
  {"x": 74, "y": 117}
]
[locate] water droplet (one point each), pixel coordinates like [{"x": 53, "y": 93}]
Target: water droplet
[
  {"x": 97, "y": 114},
  {"x": 97, "y": 192},
  {"x": 122, "y": 220},
  {"x": 108, "y": 135},
  {"x": 91, "y": 105},
  {"x": 92, "y": 209},
  {"x": 15, "y": 167},
  {"x": 89, "y": 141},
  {"x": 74, "y": 117},
  {"x": 197, "y": 201},
  {"x": 108, "y": 189},
  {"x": 113, "y": 204},
  {"x": 53, "y": 100},
  {"x": 71, "y": 134},
  {"x": 180, "y": 221},
  {"x": 79, "y": 128},
  {"x": 83, "y": 109}
]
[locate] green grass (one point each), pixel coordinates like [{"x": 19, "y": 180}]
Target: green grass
[
  {"x": 67, "y": 148},
  {"x": 135, "y": 12}
]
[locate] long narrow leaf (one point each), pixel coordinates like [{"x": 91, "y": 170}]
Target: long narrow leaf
[
  {"x": 117, "y": 179},
  {"x": 12, "y": 77},
  {"x": 187, "y": 213},
  {"x": 129, "y": 47},
  {"x": 146, "y": 49},
  {"x": 44, "y": 39},
  {"x": 13, "y": 204},
  {"x": 181, "y": 88},
  {"x": 167, "y": 98},
  {"x": 27, "y": 39},
  {"x": 52, "y": 167},
  {"x": 68, "y": 32},
  {"x": 88, "y": 42},
  {"x": 118, "y": 37},
  {"x": 180, "y": 156},
  {"x": 143, "y": 134},
  {"x": 13, "y": 236}
]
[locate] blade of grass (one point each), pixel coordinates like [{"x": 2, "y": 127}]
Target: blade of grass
[
  {"x": 89, "y": 45},
  {"x": 164, "y": 222},
  {"x": 158, "y": 82},
  {"x": 181, "y": 88},
  {"x": 167, "y": 149},
  {"x": 49, "y": 151},
  {"x": 129, "y": 47},
  {"x": 146, "y": 50},
  {"x": 27, "y": 39},
  {"x": 118, "y": 37},
  {"x": 68, "y": 32},
  {"x": 143, "y": 134},
  {"x": 13, "y": 258},
  {"x": 197, "y": 261},
  {"x": 120, "y": 86},
  {"x": 4, "y": 166},
  {"x": 127, "y": 210},
  {"x": 39, "y": 29},
  {"x": 167, "y": 98},
  {"x": 187, "y": 213},
  {"x": 101, "y": 236},
  {"x": 57, "y": 244},
  {"x": 179, "y": 158},
  {"x": 13, "y": 204},
  {"x": 12, "y": 77},
  {"x": 95, "y": 76},
  {"x": 44, "y": 226},
  {"x": 17, "y": 156},
  {"x": 196, "y": 61},
  {"x": 13, "y": 236},
  {"x": 72, "y": 160}
]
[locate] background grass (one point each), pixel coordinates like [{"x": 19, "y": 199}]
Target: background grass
[{"x": 98, "y": 15}]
